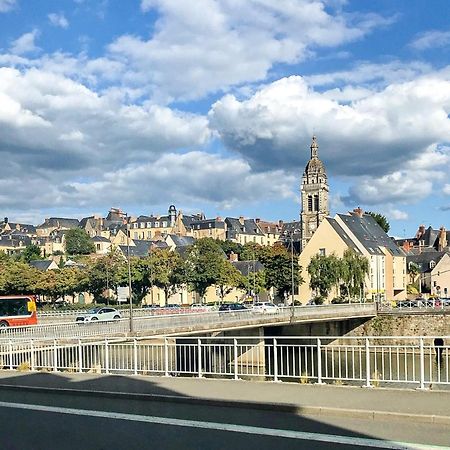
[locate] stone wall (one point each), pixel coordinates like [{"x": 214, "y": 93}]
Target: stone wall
[{"x": 437, "y": 324}]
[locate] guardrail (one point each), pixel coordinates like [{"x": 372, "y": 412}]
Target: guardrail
[
  {"x": 184, "y": 323},
  {"x": 372, "y": 361},
  {"x": 415, "y": 306}
]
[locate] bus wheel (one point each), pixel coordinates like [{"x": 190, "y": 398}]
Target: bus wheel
[{"x": 3, "y": 324}]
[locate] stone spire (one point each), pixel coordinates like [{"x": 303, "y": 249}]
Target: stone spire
[{"x": 314, "y": 148}]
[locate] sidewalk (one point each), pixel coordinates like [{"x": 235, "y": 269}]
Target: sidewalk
[{"x": 303, "y": 399}]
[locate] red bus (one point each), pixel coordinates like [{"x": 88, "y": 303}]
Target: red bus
[{"x": 17, "y": 310}]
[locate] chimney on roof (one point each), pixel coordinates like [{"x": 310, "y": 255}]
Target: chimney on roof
[
  {"x": 5, "y": 220},
  {"x": 442, "y": 239},
  {"x": 219, "y": 219},
  {"x": 420, "y": 232},
  {"x": 257, "y": 220},
  {"x": 233, "y": 257},
  {"x": 358, "y": 212},
  {"x": 241, "y": 220}
]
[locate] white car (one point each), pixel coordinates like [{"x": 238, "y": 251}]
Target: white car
[
  {"x": 99, "y": 314},
  {"x": 266, "y": 308}
]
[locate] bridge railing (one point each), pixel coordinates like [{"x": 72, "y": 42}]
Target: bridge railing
[
  {"x": 420, "y": 362},
  {"x": 184, "y": 322}
]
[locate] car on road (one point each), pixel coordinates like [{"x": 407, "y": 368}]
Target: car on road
[
  {"x": 232, "y": 307},
  {"x": 266, "y": 308},
  {"x": 100, "y": 314}
]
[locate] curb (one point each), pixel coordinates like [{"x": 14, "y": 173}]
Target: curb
[{"x": 280, "y": 407}]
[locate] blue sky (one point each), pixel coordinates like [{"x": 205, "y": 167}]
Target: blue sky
[{"x": 211, "y": 105}]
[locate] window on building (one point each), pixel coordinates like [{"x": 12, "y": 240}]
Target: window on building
[
  {"x": 432, "y": 264},
  {"x": 164, "y": 224},
  {"x": 157, "y": 224},
  {"x": 310, "y": 203},
  {"x": 322, "y": 252},
  {"x": 316, "y": 202}
]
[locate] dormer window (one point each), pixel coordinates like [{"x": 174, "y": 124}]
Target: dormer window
[{"x": 432, "y": 264}]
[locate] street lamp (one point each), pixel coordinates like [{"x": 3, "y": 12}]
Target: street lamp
[
  {"x": 291, "y": 235},
  {"x": 129, "y": 274}
]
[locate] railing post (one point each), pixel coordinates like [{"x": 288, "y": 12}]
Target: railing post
[
  {"x": 275, "y": 360},
  {"x": 166, "y": 358},
  {"x": 106, "y": 356},
  {"x": 55, "y": 356},
  {"x": 319, "y": 361},
  {"x": 32, "y": 361},
  {"x": 135, "y": 357},
  {"x": 235, "y": 348},
  {"x": 80, "y": 356},
  {"x": 422, "y": 363},
  {"x": 10, "y": 355},
  {"x": 199, "y": 357},
  {"x": 367, "y": 363}
]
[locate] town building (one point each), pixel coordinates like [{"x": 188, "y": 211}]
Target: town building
[
  {"x": 359, "y": 232},
  {"x": 314, "y": 195}
]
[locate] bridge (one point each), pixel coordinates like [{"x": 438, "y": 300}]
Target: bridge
[{"x": 194, "y": 323}]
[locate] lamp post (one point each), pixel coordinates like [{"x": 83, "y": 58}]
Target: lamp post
[
  {"x": 291, "y": 234},
  {"x": 130, "y": 293}
]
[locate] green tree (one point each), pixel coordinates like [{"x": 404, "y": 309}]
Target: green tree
[
  {"x": 18, "y": 278},
  {"x": 228, "y": 278},
  {"x": 254, "y": 282},
  {"x": 229, "y": 246},
  {"x": 78, "y": 242},
  {"x": 324, "y": 272},
  {"x": 279, "y": 265},
  {"x": 353, "y": 271},
  {"x": 204, "y": 264},
  {"x": 381, "y": 220},
  {"x": 31, "y": 252},
  {"x": 167, "y": 271}
]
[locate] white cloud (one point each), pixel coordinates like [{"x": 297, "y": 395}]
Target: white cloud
[
  {"x": 446, "y": 189},
  {"x": 58, "y": 20},
  {"x": 191, "y": 178},
  {"x": 48, "y": 122},
  {"x": 396, "y": 214},
  {"x": 431, "y": 39},
  {"x": 376, "y": 135},
  {"x": 25, "y": 43},
  {"x": 205, "y": 46},
  {"x": 7, "y": 5}
]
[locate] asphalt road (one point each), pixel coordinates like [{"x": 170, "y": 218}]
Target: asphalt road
[{"x": 60, "y": 421}]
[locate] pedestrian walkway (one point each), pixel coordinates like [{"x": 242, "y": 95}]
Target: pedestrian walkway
[{"x": 305, "y": 399}]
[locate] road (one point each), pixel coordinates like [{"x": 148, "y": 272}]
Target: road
[{"x": 37, "y": 420}]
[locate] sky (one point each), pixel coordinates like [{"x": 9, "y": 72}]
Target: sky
[{"x": 211, "y": 105}]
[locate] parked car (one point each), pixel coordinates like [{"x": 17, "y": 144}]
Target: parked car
[
  {"x": 266, "y": 308},
  {"x": 232, "y": 307},
  {"x": 99, "y": 314}
]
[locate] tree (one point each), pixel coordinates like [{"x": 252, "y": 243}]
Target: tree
[
  {"x": 324, "y": 272},
  {"x": 254, "y": 282},
  {"x": 353, "y": 271},
  {"x": 167, "y": 271},
  {"x": 278, "y": 262},
  {"x": 18, "y": 278},
  {"x": 381, "y": 220},
  {"x": 229, "y": 246},
  {"x": 204, "y": 264},
  {"x": 228, "y": 278},
  {"x": 78, "y": 242},
  {"x": 31, "y": 252}
]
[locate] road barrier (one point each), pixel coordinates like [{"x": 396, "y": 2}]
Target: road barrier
[
  {"x": 185, "y": 323},
  {"x": 421, "y": 362}
]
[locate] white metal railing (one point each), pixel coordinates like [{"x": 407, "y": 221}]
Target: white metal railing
[
  {"x": 167, "y": 324},
  {"x": 370, "y": 361},
  {"x": 420, "y": 306}
]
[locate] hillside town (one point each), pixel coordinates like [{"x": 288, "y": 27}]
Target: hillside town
[{"x": 397, "y": 269}]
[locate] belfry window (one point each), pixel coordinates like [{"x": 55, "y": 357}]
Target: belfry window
[
  {"x": 310, "y": 203},
  {"x": 316, "y": 202}
]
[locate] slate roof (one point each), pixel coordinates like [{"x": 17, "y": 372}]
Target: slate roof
[
  {"x": 60, "y": 222},
  {"x": 205, "y": 224},
  {"x": 141, "y": 249},
  {"x": 100, "y": 239},
  {"x": 424, "y": 259},
  {"x": 41, "y": 264},
  {"x": 235, "y": 227},
  {"x": 370, "y": 234},
  {"x": 430, "y": 239},
  {"x": 246, "y": 267},
  {"x": 342, "y": 234},
  {"x": 182, "y": 241},
  {"x": 21, "y": 227}
]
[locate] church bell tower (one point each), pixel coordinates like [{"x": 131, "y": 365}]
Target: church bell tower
[{"x": 314, "y": 194}]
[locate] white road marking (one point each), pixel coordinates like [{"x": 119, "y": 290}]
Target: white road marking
[{"x": 246, "y": 429}]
